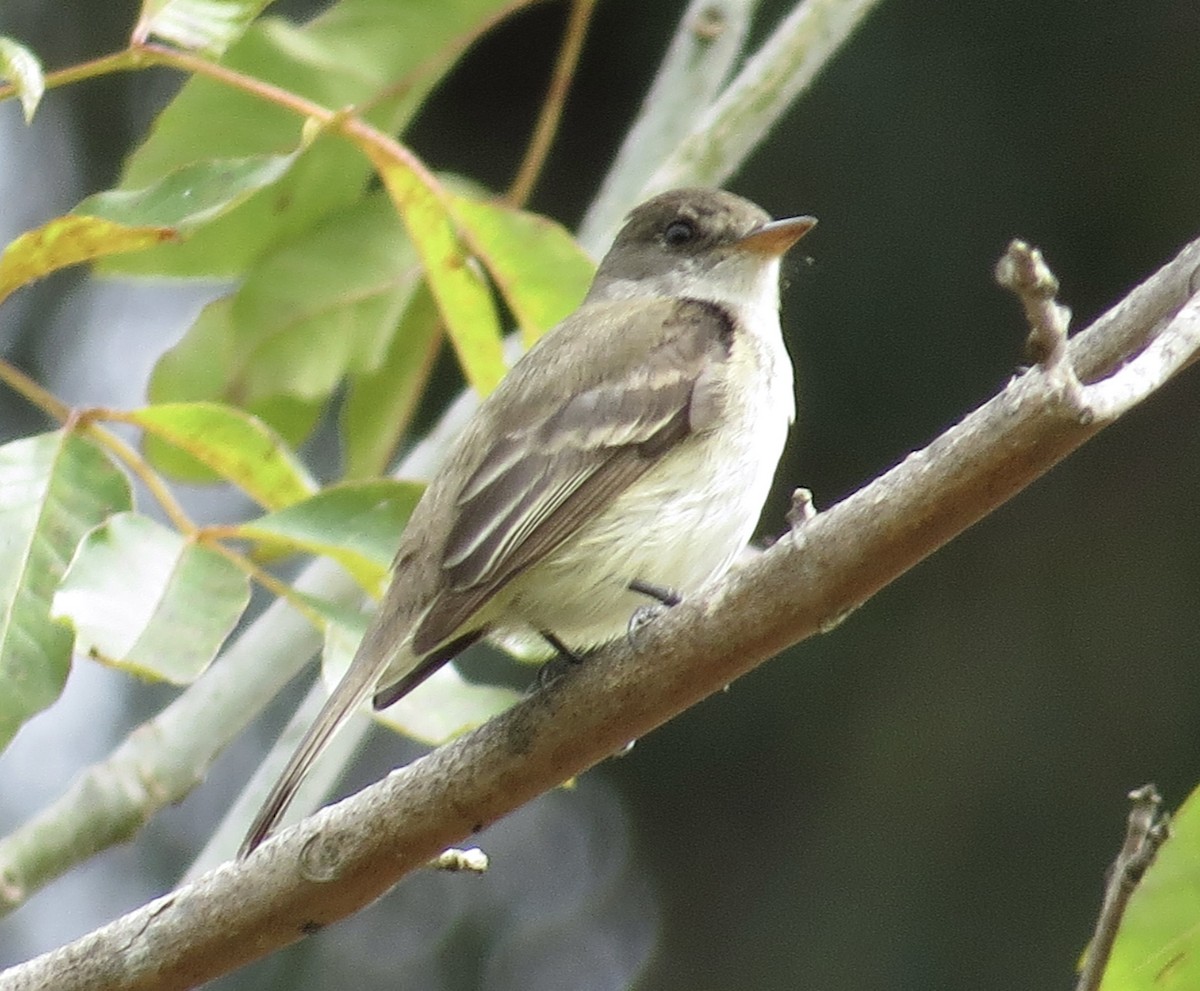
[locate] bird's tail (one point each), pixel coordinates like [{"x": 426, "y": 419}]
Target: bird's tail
[{"x": 355, "y": 687}]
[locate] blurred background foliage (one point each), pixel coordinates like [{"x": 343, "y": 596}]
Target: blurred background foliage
[{"x": 928, "y": 796}]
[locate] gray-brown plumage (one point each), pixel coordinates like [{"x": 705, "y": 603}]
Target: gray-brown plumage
[{"x": 635, "y": 442}]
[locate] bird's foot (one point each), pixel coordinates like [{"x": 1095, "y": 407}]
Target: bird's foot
[
  {"x": 664, "y": 598},
  {"x": 565, "y": 659}
]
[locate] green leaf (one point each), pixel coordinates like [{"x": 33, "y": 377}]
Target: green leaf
[
  {"x": 462, "y": 294},
  {"x": 1158, "y": 944},
  {"x": 387, "y": 53},
  {"x": 201, "y": 368},
  {"x": 21, "y": 68},
  {"x": 379, "y": 405},
  {"x": 537, "y": 266},
  {"x": 236, "y": 446},
  {"x": 208, "y": 26},
  {"x": 146, "y": 600},
  {"x": 358, "y": 524},
  {"x": 70, "y": 240},
  {"x": 192, "y": 195},
  {"x": 445, "y": 706},
  {"x": 325, "y": 305},
  {"x": 53, "y": 489}
]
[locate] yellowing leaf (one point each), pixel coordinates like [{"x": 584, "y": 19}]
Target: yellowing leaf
[
  {"x": 539, "y": 269},
  {"x": 357, "y": 524},
  {"x": 67, "y": 241},
  {"x": 461, "y": 292},
  {"x": 235, "y": 445}
]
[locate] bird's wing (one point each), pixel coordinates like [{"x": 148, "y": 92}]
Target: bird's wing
[{"x": 550, "y": 469}]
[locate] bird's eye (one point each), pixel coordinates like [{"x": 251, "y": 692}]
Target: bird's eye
[{"x": 679, "y": 232}]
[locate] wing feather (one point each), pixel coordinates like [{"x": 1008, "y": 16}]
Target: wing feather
[{"x": 543, "y": 477}]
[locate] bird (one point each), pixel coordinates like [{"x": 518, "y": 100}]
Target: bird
[{"x": 626, "y": 455}]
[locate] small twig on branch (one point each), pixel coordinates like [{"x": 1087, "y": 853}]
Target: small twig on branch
[
  {"x": 469, "y": 861},
  {"x": 1023, "y": 271},
  {"x": 1144, "y": 834},
  {"x": 802, "y": 509}
]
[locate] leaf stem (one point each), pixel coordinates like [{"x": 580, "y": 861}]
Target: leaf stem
[
  {"x": 194, "y": 64},
  {"x": 276, "y": 586},
  {"x": 39, "y": 396},
  {"x": 344, "y": 122},
  {"x": 125, "y": 60},
  {"x": 132, "y": 460},
  {"x": 552, "y": 107}
]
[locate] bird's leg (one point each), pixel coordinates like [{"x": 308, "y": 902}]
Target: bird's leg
[
  {"x": 664, "y": 598},
  {"x": 563, "y": 651},
  {"x": 556, "y": 667},
  {"x": 661, "y": 594}
]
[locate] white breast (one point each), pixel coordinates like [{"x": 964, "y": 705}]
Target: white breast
[{"x": 683, "y": 523}]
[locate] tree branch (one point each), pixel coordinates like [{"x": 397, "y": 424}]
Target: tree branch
[
  {"x": 784, "y": 67},
  {"x": 346, "y": 856},
  {"x": 1145, "y": 832},
  {"x": 162, "y": 759},
  {"x": 701, "y": 55}
]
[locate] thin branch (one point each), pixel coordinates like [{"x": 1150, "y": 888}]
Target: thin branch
[
  {"x": 147, "y": 475},
  {"x": 162, "y": 759},
  {"x": 1023, "y": 271},
  {"x": 35, "y": 393},
  {"x": 1144, "y": 834},
  {"x": 552, "y": 107},
  {"x": 276, "y": 586},
  {"x": 122, "y": 61},
  {"x": 783, "y": 68},
  {"x": 1165, "y": 356},
  {"x": 698, "y": 62},
  {"x": 166, "y": 757},
  {"x": 346, "y": 856}
]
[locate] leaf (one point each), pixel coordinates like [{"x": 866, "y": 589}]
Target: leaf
[
  {"x": 381, "y": 52},
  {"x": 235, "y": 445},
  {"x": 325, "y": 305},
  {"x": 537, "y": 266},
  {"x": 53, "y": 489},
  {"x": 146, "y": 600},
  {"x": 1158, "y": 944},
  {"x": 444, "y": 706},
  {"x": 23, "y": 69},
  {"x": 462, "y": 294},
  {"x": 358, "y": 524},
  {"x": 69, "y": 240},
  {"x": 199, "y": 369},
  {"x": 208, "y": 26},
  {"x": 192, "y": 195},
  {"x": 379, "y": 405}
]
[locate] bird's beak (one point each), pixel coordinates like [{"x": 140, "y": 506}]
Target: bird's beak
[{"x": 775, "y": 238}]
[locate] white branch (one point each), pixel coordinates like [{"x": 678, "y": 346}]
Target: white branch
[
  {"x": 1175, "y": 347},
  {"x": 698, "y": 62},
  {"x": 784, "y": 67},
  {"x": 344, "y": 857}
]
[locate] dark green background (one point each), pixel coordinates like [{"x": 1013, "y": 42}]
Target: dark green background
[{"x": 927, "y": 797}]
